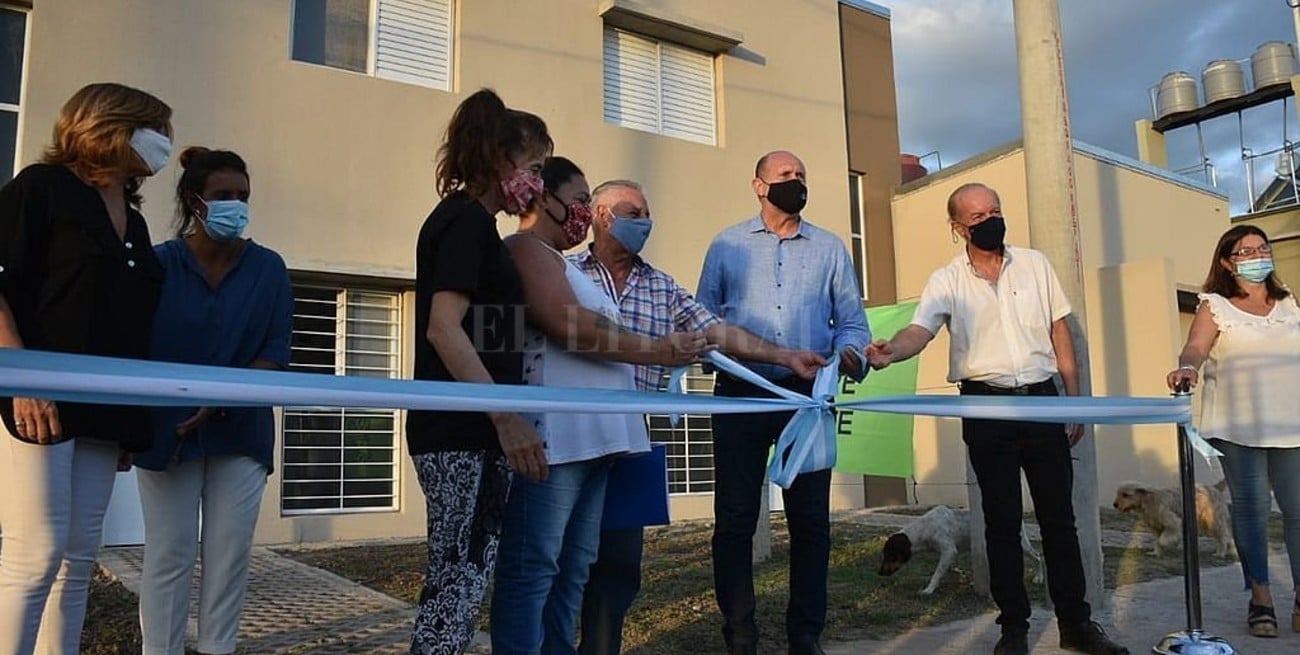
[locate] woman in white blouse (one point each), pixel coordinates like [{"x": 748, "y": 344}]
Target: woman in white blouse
[{"x": 1246, "y": 335}]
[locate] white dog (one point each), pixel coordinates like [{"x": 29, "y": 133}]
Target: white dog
[
  {"x": 1162, "y": 511},
  {"x": 945, "y": 531}
]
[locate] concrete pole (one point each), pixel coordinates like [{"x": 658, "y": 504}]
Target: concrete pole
[
  {"x": 1054, "y": 230},
  {"x": 1295, "y": 18}
]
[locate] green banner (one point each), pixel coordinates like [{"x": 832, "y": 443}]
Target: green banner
[{"x": 872, "y": 443}]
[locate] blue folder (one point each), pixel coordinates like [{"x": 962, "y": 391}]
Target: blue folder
[{"x": 637, "y": 495}]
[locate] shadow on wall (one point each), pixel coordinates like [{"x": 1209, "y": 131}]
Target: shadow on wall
[{"x": 944, "y": 482}]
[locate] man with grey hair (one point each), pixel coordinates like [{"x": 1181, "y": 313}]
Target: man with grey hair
[
  {"x": 1006, "y": 314},
  {"x": 653, "y": 304}
]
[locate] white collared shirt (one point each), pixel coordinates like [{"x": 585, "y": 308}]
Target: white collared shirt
[{"x": 1001, "y": 333}]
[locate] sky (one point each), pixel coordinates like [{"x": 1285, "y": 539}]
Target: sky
[{"x": 958, "y": 87}]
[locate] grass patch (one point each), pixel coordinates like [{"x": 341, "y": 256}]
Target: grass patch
[
  {"x": 112, "y": 623},
  {"x": 112, "y": 619},
  {"x": 676, "y": 611}
]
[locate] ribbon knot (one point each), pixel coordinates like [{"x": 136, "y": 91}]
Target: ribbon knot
[{"x": 808, "y": 441}]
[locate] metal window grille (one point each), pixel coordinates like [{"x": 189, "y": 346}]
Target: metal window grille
[
  {"x": 342, "y": 460},
  {"x": 690, "y": 444}
]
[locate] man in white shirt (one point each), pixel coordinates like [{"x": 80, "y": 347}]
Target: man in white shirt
[{"x": 1006, "y": 316}]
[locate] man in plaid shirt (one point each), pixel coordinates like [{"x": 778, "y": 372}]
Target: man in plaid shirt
[{"x": 653, "y": 304}]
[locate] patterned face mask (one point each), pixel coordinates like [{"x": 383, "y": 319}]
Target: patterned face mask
[
  {"x": 577, "y": 220},
  {"x": 520, "y": 189}
]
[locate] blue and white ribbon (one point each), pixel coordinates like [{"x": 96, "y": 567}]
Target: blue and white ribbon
[{"x": 806, "y": 444}]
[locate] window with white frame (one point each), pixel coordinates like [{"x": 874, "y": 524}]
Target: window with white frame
[
  {"x": 857, "y": 231},
  {"x": 660, "y": 87},
  {"x": 690, "y": 443},
  {"x": 403, "y": 40},
  {"x": 342, "y": 460},
  {"x": 13, "y": 47}
]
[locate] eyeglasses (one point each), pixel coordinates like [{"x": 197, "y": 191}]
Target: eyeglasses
[{"x": 1248, "y": 252}]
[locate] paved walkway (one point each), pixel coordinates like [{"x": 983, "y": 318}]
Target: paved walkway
[
  {"x": 1141, "y": 615},
  {"x": 295, "y": 609}
]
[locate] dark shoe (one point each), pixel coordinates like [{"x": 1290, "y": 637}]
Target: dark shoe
[
  {"x": 1013, "y": 642},
  {"x": 1295, "y": 616},
  {"x": 1262, "y": 620},
  {"x": 742, "y": 649},
  {"x": 806, "y": 648},
  {"x": 1091, "y": 639}
]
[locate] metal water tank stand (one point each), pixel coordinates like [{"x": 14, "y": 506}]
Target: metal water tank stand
[{"x": 1194, "y": 640}]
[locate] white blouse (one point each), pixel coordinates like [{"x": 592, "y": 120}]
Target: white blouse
[
  {"x": 574, "y": 437},
  {"x": 1251, "y": 392}
]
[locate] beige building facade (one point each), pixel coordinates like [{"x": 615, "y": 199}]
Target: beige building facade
[
  {"x": 1144, "y": 233},
  {"x": 339, "y": 105}
]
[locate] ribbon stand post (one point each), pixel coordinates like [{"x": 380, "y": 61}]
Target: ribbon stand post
[{"x": 1194, "y": 640}]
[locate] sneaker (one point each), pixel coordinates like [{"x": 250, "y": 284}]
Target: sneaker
[
  {"x": 1013, "y": 642},
  {"x": 1091, "y": 639}
]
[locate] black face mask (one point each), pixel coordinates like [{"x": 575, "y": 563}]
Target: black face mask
[
  {"x": 989, "y": 234},
  {"x": 789, "y": 196}
]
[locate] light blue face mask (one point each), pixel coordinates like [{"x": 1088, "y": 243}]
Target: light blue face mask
[
  {"x": 1255, "y": 270},
  {"x": 226, "y": 219},
  {"x": 631, "y": 232}
]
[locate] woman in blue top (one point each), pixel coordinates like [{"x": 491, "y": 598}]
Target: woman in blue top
[{"x": 226, "y": 301}]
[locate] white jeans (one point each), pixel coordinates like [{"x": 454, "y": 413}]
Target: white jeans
[
  {"x": 228, "y": 489},
  {"x": 52, "y": 506}
]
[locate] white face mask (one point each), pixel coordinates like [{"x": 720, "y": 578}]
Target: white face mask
[{"x": 153, "y": 147}]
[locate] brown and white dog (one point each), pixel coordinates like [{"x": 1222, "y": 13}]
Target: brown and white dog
[
  {"x": 943, "y": 530},
  {"x": 1161, "y": 509}
]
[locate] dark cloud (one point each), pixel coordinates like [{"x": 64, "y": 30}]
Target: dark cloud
[{"x": 958, "y": 88}]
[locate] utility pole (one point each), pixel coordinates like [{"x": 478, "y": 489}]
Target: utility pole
[{"x": 1054, "y": 230}]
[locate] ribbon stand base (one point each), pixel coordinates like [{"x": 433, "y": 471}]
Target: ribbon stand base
[{"x": 1193, "y": 640}]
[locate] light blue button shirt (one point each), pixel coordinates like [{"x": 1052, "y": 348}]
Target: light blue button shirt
[{"x": 799, "y": 292}]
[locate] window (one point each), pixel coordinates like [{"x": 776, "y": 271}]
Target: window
[
  {"x": 403, "y": 40},
  {"x": 659, "y": 87},
  {"x": 342, "y": 460},
  {"x": 690, "y": 444},
  {"x": 857, "y": 231},
  {"x": 13, "y": 45}
]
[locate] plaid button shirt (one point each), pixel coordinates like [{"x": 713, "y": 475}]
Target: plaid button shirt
[{"x": 652, "y": 304}]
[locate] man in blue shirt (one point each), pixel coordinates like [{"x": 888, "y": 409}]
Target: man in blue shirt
[{"x": 793, "y": 284}]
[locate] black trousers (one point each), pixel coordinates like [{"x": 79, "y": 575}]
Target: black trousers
[
  {"x": 998, "y": 451},
  {"x": 741, "y": 443}
]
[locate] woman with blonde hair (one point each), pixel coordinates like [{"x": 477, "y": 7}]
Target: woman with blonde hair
[
  {"x": 77, "y": 274},
  {"x": 1245, "y": 340}
]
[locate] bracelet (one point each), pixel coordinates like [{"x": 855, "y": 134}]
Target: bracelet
[{"x": 1185, "y": 366}]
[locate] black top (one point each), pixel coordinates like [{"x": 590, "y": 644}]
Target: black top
[
  {"x": 74, "y": 286},
  {"x": 460, "y": 250}
]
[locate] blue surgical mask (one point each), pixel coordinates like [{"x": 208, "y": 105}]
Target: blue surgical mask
[
  {"x": 1255, "y": 270},
  {"x": 631, "y": 232},
  {"x": 226, "y": 219}
]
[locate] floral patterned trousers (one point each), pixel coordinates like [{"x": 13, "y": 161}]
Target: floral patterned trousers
[{"x": 465, "y": 494}]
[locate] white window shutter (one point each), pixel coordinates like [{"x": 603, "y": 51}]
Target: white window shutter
[
  {"x": 688, "y": 94},
  {"x": 631, "y": 81},
  {"x": 413, "y": 42}
]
